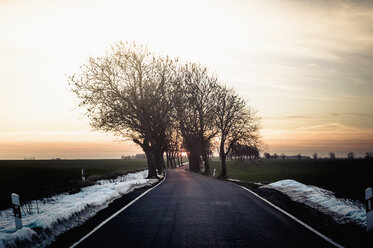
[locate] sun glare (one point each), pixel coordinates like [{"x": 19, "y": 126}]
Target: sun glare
[{"x": 293, "y": 59}]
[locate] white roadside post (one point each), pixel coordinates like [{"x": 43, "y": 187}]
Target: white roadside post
[
  {"x": 17, "y": 211},
  {"x": 214, "y": 173},
  {"x": 83, "y": 177},
  {"x": 369, "y": 207}
]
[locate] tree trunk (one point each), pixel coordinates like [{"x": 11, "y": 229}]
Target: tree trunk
[
  {"x": 223, "y": 165},
  {"x": 205, "y": 158},
  {"x": 178, "y": 159},
  {"x": 207, "y": 164},
  {"x": 223, "y": 157},
  {"x": 162, "y": 161},
  {"x": 194, "y": 162},
  {"x": 174, "y": 160},
  {"x": 157, "y": 158},
  {"x": 152, "y": 173},
  {"x": 159, "y": 162},
  {"x": 168, "y": 159},
  {"x": 170, "y": 156}
]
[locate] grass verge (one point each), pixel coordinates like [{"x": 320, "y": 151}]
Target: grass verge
[
  {"x": 35, "y": 179},
  {"x": 346, "y": 178},
  {"x": 349, "y": 235}
]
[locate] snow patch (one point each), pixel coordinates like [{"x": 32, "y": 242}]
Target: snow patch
[
  {"x": 341, "y": 210},
  {"x": 62, "y": 212},
  {"x": 18, "y": 238},
  {"x": 233, "y": 180}
]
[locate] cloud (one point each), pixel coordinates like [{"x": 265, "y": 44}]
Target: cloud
[
  {"x": 289, "y": 117},
  {"x": 351, "y": 114}
]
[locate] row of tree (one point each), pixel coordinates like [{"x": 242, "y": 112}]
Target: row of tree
[
  {"x": 350, "y": 155},
  {"x": 164, "y": 106}
]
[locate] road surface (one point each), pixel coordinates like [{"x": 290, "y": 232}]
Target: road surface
[{"x": 190, "y": 210}]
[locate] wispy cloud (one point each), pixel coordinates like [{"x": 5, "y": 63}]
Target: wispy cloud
[
  {"x": 288, "y": 117},
  {"x": 351, "y": 114}
]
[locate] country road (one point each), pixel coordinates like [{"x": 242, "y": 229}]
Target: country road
[{"x": 190, "y": 210}]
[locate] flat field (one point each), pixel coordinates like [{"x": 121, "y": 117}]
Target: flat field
[
  {"x": 347, "y": 178},
  {"x": 33, "y": 179}
]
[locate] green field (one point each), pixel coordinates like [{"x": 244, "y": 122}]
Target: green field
[
  {"x": 33, "y": 179},
  {"x": 347, "y": 178}
]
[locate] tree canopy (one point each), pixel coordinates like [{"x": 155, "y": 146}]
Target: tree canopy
[{"x": 163, "y": 106}]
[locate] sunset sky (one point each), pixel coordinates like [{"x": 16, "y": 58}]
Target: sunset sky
[{"x": 306, "y": 66}]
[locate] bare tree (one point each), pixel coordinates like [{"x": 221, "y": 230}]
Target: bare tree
[
  {"x": 127, "y": 92},
  {"x": 154, "y": 101},
  {"x": 197, "y": 112},
  {"x": 173, "y": 146},
  {"x": 236, "y": 122}
]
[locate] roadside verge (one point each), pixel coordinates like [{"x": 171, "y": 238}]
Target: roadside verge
[
  {"x": 76, "y": 235},
  {"x": 328, "y": 239}
]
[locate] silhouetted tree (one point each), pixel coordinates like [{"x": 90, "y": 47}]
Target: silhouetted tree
[
  {"x": 332, "y": 155},
  {"x": 315, "y": 156},
  {"x": 236, "y": 122},
  {"x": 350, "y": 155},
  {"x": 173, "y": 146},
  {"x": 197, "y": 112},
  {"x": 299, "y": 156},
  {"x": 267, "y": 155},
  {"x": 162, "y": 106},
  {"x": 244, "y": 151},
  {"x": 128, "y": 92},
  {"x": 368, "y": 155},
  {"x": 283, "y": 156},
  {"x": 253, "y": 152}
]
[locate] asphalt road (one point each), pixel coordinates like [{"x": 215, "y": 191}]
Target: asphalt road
[{"x": 190, "y": 210}]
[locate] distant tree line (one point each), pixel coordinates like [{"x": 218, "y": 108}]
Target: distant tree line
[
  {"x": 315, "y": 156},
  {"x": 165, "y": 106},
  {"x": 137, "y": 156},
  {"x": 244, "y": 151},
  {"x": 368, "y": 155}
]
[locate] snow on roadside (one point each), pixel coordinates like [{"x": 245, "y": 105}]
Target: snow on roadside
[
  {"x": 341, "y": 210},
  {"x": 62, "y": 212}
]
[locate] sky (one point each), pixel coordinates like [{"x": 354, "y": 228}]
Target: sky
[{"x": 305, "y": 66}]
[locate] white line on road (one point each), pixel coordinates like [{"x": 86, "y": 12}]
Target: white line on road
[
  {"x": 284, "y": 212},
  {"x": 118, "y": 212},
  {"x": 295, "y": 218}
]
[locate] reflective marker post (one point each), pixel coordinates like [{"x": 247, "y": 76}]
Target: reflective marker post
[
  {"x": 83, "y": 177},
  {"x": 17, "y": 211},
  {"x": 368, "y": 199}
]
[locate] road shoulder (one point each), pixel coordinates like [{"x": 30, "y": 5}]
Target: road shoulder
[
  {"x": 349, "y": 235},
  {"x": 74, "y": 235}
]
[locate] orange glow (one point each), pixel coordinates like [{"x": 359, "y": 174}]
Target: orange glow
[
  {"x": 303, "y": 65},
  {"x": 66, "y": 150}
]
